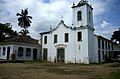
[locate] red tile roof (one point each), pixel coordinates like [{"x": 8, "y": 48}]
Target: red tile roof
[{"x": 22, "y": 39}]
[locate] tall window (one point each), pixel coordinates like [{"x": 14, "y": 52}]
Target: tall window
[
  {"x": 109, "y": 46},
  {"x": 0, "y": 51},
  {"x": 66, "y": 37},
  {"x": 79, "y": 36},
  {"x": 55, "y": 38},
  {"x": 35, "y": 54},
  {"x": 45, "y": 39},
  {"x": 98, "y": 43},
  {"x": 79, "y": 15},
  {"x": 103, "y": 54},
  {"x": 20, "y": 51},
  {"x": 4, "y": 50},
  {"x": 28, "y": 52},
  {"x": 112, "y": 46},
  {"x": 89, "y": 16},
  {"x": 106, "y": 54},
  {"x": 106, "y": 45},
  {"x": 102, "y": 44}
]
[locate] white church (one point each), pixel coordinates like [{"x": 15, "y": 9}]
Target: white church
[{"x": 76, "y": 43}]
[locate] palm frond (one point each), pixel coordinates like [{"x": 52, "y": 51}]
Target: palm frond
[
  {"x": 18, "y": 14},
  {"x": 24, "y": 21},
  {"x": 26, "y": 11},
  {"x": 29, "y": 17}
]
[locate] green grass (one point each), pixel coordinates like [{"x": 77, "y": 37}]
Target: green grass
[{"x": 115, "y": 75}]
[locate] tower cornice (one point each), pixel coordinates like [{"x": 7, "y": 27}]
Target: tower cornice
[{"x": 81, "y": 3}]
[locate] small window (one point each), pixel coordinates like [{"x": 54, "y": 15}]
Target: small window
[
  {"x": 66, "y": 37},
  {"x": 45, "y": 39},
  {"x": 55, "y": 38},
  {"x": 79, "y": 36},
  {"x": 20, "y": 51},
  {"x": 4, "y": 50},
  {"x": 28, "y": 52},
  {"x": 79, "y": 15}
]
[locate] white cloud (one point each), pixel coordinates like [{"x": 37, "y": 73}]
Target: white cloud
[
  {"x": 46, "y": 14},
  {"x": 105, "y": 24},
  {"x": 105, "y": 29}
]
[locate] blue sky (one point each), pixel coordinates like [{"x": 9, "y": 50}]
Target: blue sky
[
  {"x": 113, "y": 15},
  {"x": 46, "y": 1},
  {"x": 48, "y": 13}
]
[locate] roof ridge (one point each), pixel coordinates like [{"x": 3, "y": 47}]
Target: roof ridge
[{"x": 22, "y": 39}]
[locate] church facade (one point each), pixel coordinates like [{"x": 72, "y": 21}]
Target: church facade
[{"x": 76, "y": 43}]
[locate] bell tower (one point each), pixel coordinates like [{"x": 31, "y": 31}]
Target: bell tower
[{"x": 82, "y": 14}]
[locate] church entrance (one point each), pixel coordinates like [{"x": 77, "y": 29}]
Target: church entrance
[{"x": 60, "y": 55}]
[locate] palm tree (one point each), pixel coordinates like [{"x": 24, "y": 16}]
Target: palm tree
[
  {"x": 24, "y": 20},
  {"x": 116, "y": 36},
  {"x": 23, "y": 32}
]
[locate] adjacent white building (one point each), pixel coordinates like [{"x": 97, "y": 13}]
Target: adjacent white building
[
  {"x": 20, "y": 48},
  {"x": 76, "y": 43}
]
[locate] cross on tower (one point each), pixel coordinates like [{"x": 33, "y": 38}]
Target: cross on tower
[
  {"x": 83, "y": 1},
  {"x": 61, "y": 17}
]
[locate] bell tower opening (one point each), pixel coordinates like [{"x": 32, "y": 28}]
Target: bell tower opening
[{"x": 79, "y": 15}]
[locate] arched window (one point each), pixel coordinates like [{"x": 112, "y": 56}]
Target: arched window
[
  {"x": 28, "y": 52},
  {"x": 79, "y": 15},
  {"x": 20, "y": 51}
]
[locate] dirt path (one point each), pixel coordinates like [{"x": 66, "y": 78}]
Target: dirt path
[{"x": 54, "y": 71}]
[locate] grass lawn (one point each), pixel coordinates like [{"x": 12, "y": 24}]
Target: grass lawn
[
  {"x": 114, "y": 75},
  {"x": 40, "y": 70}
]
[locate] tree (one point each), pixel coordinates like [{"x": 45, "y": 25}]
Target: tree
[
  {"x": 6, "y": 31},
  {"x": 24, "y": 21},
  {"x": 116, "y": 36}
]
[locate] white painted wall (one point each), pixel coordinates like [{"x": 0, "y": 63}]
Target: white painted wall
[{"x": 95, "y": 49}]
